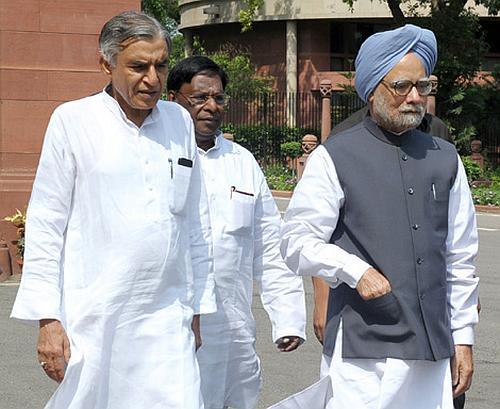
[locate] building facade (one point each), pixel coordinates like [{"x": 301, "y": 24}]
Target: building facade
[
  {"x": 301, "y": 42},
  {"x": 48, "y": 55}
]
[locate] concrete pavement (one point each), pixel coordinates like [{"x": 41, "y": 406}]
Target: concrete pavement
[{"x": 24, "y": 386}]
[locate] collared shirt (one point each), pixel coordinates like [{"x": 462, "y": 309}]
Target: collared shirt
[
  {"x": 245, "y": 226},
  {"x": 118, "y": 248}
]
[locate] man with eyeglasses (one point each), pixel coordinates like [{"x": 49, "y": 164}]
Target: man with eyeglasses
[
  {"x": 384, "y": 214},
  {"x": 245, "y": 226}
]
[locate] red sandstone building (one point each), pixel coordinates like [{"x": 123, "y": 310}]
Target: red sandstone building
[
  {"x": 300, "y": 42},
  {"x": 48, "y": 55}
]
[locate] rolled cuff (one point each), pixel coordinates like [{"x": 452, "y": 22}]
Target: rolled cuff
[
  {"x": 289, "y": 332},
  {"x": 353, "y": 271},
  {"x": 463, "y": 336},
  {"x": 33, "y": 305}
]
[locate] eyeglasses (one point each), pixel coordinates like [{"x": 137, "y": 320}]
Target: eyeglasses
[
  {"x": 201, "y": 99},
  {"x": 403, "y": 87}
]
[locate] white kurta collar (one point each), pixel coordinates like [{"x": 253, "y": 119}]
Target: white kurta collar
[
  {"x": 222, "y": 145},
  {"x": 113, "y": 105}
]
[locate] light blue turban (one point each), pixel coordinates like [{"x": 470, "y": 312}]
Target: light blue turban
[{"x": 382, "y": 51}]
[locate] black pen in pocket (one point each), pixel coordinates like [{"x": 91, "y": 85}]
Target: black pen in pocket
[{"x": 171, "y": 168}]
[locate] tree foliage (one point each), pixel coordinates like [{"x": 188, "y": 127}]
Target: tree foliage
[
  {"x": 248, "y": 14},
  {"x": 165, "y": 11}
]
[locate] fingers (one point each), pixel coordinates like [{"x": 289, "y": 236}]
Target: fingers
[
  {"x": 66, "y": 350},
  {"x": 53, "y": 349},
  {"x": 373, "y": 284},
  {"x": 288, "y": 344},
  {"x": 319, "y": 334},
  {"x": 196, "y": 327},
  {"x": 462, "y": 369}
]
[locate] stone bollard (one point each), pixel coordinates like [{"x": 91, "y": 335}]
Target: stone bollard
[
  {"x": 5, "y": 261},
  {"x": 309, "y": 143}
]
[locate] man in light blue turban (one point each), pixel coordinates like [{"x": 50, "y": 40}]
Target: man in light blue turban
[
  {"x": 392, "y": 229},
  {"x": 380, "y": 53}
]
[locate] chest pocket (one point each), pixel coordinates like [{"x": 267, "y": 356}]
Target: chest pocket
[
  {"x": 240, "y": 212},
  {"x": 438, "y": 198},
  {"x": 180, "y": 180}
]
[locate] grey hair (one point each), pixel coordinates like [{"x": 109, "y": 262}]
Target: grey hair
[{"x": 125, "y": 26}]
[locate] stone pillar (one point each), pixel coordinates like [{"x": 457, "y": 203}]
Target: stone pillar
[
  {"x": 309, "y": 143},
  {"x": 49, "y": 54},
  {"x": 431, "y": 99},
  {"x": 325, "y": 88},
  {"x": 291, "y": 72},
  {"x": 188, "y": 42}
]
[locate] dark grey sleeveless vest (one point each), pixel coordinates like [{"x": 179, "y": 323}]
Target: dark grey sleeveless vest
[{"x": 395, "y": 217}]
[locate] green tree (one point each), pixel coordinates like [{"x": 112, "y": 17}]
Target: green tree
[
  {"x": 240, "y": 70},
  {"x": 165, "y": 11}
]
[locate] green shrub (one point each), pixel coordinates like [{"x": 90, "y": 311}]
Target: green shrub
[
  {"x": 265, "y": 141},
  {"x": 279, "y": 177},
  {"x": 291, "y": 149},
  {"x": 472, "y": 169},
  {"x": 486, "y": 196}
]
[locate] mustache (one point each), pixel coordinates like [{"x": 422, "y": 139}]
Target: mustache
[{"x": 412, "y": 109}]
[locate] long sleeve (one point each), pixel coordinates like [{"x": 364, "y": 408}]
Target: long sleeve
[
  {"x": 201, "y": 245},
  {"x": 310, "y": 221},
  {"x": 281, "y": 291},
  {"x": 461, "y": 249},
  {"x": 39, "y": 295}
]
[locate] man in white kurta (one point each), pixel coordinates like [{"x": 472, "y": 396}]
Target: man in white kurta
[
  {"x": 118, "y": 248},
  {"x": 245, "y": 227},
  {"x": 383, "y": 213}
]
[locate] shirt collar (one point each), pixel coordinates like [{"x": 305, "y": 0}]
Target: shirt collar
[
  {"x": 384, "y": 135},
  {"x": 113, "y": 105},
  {"x": 218, "y": 141}
]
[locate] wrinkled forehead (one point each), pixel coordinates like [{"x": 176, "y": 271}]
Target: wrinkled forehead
[{"x": 409, "y": 67}]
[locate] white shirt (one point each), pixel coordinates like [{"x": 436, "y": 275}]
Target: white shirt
[
  {"x": 312, "y": 217},
  {"x": 118, "y": 248},
  {"x": 245, "y": 227}
]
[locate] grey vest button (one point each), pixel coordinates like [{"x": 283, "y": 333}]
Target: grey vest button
[
  {"x": 422, "y": 296},
  {"x": 420, "y": 260},
  {"x": 411, "y": 191},
  {"x": 404, "y": 157},
  {"x": 415, "y": 227}
]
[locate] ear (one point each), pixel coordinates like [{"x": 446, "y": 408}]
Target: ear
[
  {"x": 171, "y": 96},
  {"x": 105, "y": 66}
]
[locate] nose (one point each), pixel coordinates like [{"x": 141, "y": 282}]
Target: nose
[
  {"x": 414, "y": 97},
  {"x": 151, "y": 76},
  {"x": 211, "y": 105}
]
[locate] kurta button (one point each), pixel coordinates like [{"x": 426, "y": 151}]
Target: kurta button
[
  {"x": 420, "y": 260},
  {"x": 415, "y": 226},
  {"x": 411, "y": 191},
  {"x": 422, "y": 296},
  {"x": 404, "y": 157}
]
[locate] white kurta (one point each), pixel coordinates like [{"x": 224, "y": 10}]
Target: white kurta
[
  {"x": 309, "y": 225},
  {"x": 118, "y": 248},
  {"x": 245, "y": 227}
]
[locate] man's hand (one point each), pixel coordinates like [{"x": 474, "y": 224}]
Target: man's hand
[
  {"x": 289, "y": 343},
  {"x": 462, "y": 368},
  {"x": 53, "y": 349},
  {"x": 195, "y": 326},
  {"x": 373, "y": 284},
  {"x": 321, "y": 292}
]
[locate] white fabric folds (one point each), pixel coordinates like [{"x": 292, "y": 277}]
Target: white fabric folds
[{"x": 315, "y": 396}]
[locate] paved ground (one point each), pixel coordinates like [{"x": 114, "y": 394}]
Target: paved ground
[{"x": 23, "y": 385}]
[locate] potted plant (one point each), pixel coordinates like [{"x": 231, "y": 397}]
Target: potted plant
[{"x": 18, "y": 219}]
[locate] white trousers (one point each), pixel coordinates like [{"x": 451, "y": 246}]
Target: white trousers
[{"x": 387, "y": 383}]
